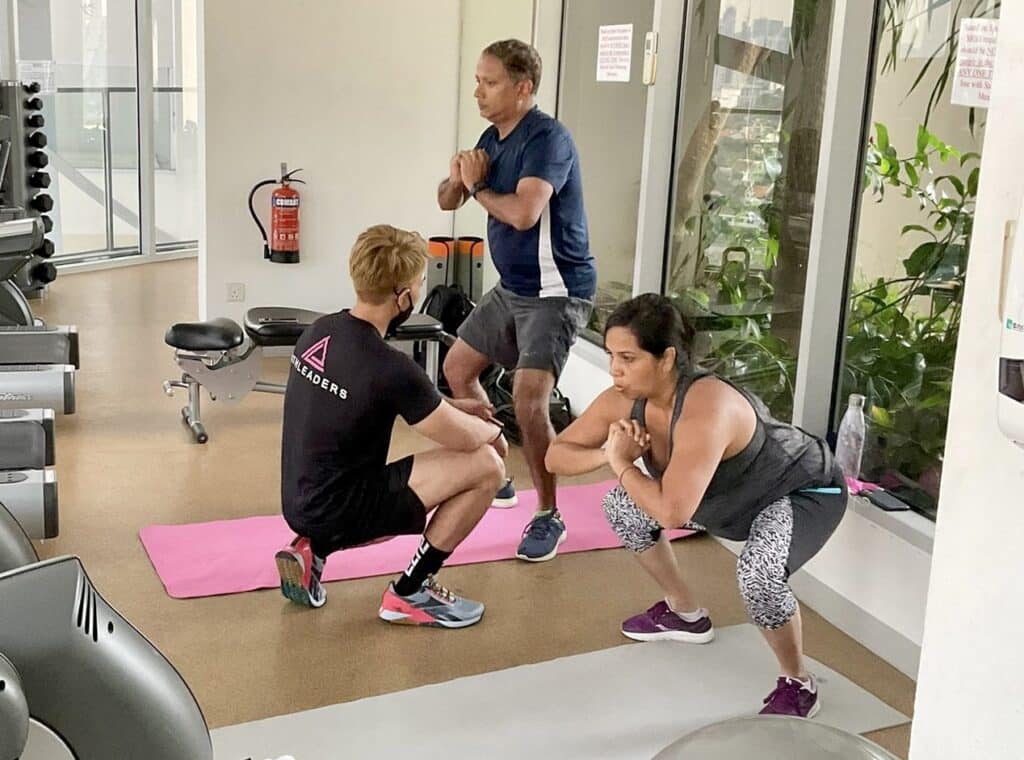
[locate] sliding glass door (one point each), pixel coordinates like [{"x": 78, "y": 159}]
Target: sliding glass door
[{"x": 87, "y": 54}]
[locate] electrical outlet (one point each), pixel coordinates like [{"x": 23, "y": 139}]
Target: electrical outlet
[{"x": 236, "y": 292}]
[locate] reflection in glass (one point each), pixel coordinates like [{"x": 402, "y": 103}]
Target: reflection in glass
[
  {"x": 747, "y": 163},
  {"x": 913, "y": 235}
]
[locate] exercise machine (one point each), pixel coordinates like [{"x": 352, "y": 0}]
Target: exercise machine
[
  {"x": 25, "y": 339},
  {"x": 37, "y": 363},
  {"x": 226, "y": 360},
  {"x": 93, "y": 686},
  {"x": 28, "y": 488},
  {"x": 31, "y": 496},
  {"x": 38, "y": 386},
  {"x": 26, "y": 439},
  {"x": 16, "y": 549}
]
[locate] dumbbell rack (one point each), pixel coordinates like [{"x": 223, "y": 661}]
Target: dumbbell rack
[{"x": 23, "y": 179}]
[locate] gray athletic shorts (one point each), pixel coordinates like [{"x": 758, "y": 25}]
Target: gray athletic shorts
[{"x": 519, "y": 332}]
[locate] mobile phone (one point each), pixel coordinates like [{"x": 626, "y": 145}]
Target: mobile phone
[{"x": 885, "y": 500}]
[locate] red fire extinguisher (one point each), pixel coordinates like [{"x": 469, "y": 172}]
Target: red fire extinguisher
[{"x": 283, "y": 245}]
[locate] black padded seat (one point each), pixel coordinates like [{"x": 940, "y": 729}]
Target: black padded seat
[
  {"x": 278, "y": 325},
  {"x": 419, "y": 327},
  {"x": 219, "y": 334}
]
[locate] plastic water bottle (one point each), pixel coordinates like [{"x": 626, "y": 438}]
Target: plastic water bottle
[{"x": 850, "y": 441}]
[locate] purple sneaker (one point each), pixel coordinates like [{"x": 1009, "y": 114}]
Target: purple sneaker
[
  {"x": 660, "y": 622},
  {"x": 791, "y": 697}
]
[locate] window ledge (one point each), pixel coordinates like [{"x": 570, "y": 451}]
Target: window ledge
[{"x": 913, "y": 528}]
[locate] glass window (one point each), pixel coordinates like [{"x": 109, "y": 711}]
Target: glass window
[
  {"x": 91, "y": 125},
  {"x": 749, "y": 132},
  {"x": 910, "y": 253},
  {"x": 91, "y": 107},
  {"x": 175, "y": 122}
]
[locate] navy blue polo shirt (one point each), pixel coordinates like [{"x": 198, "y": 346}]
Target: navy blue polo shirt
[{"x": 553, "y": 257}]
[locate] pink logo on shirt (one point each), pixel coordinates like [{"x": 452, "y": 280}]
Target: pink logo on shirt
[{"x": 316, "y": 355}]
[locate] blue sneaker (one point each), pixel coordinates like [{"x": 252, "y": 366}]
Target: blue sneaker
[
  {"x": 506, "y": 496},
  {"x": 542, "y": 537}
]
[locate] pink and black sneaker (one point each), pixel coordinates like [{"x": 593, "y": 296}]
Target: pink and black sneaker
[
  {"x": 793, "y": 697},
  {"x": 661, "y": 623},
  {"x": 300, "y": 572}
]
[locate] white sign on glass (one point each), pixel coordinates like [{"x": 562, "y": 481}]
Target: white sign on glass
[
  {"x": 975, "y": 62},
  {"x": 614, "y": 52}
]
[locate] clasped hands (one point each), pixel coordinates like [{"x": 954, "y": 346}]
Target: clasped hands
[
  {"x": 469, "y": 167},
  {"x": 627, "y": 441}
]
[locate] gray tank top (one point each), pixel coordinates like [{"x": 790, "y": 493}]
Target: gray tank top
[{"x": 780, "y": 459}]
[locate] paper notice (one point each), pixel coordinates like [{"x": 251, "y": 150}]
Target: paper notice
[
  {"x": 614, "y": 52},
  {"x": 975, "y": 62},
  {"x": 38, "y": 71}
]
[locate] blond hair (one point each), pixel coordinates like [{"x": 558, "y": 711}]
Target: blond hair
[{"x": 384, "y": 259}]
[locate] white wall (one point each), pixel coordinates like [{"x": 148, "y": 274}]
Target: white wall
[
  {"x": 361, "y": 94},
  {"x": 970, "y": 697}
]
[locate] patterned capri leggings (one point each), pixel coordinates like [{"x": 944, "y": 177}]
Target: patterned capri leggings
[{"x": 783, "y": 536}]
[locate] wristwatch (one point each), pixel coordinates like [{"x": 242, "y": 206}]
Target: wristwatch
[{"x": 477, "y": 187}]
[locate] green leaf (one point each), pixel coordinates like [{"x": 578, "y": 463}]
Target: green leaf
[
  {"x": 908, "y": 167},
  {"x": 922, "y": 138},
  {"x": 916, "y": 228},
  {"x": 954, "y": 181},
  {"x": 882, "y": 136},
  {"x": 881, "y": 417},
  {"x": 921, "y": 260},
  {"x": 972, "y": 181}
]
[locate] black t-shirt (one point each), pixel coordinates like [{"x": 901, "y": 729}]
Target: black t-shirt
[{"x": 345, "y": 388}]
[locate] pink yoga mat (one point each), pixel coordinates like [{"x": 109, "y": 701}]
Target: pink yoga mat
[{"x": 231, "y": 556}]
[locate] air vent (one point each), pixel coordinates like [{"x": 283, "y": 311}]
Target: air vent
[{"x": 85, "y": 610}]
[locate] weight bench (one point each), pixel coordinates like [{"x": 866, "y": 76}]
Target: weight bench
[{"x": 227, "y": 360}]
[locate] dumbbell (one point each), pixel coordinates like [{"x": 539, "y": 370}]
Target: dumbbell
[
  {"x": 43, "y": 272},
  {"x": 42, "y": 203}
]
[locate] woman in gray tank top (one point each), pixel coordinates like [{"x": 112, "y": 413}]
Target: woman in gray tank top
[{"x": 715, "y": 460}]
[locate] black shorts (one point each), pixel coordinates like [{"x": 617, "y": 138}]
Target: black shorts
[{"x": 374, "y": 506}]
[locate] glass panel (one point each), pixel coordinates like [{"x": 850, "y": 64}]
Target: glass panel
[
  {"x": 747, "y": 148},
  {"x": 912, "y": 239},
  {"x": 607, "y": 121},
  {"x": 75, "y": 127},
  {"x": 124, "y": 175},
  {"x": 176, "y": 117},
  {"x": 90, "y": 47}
]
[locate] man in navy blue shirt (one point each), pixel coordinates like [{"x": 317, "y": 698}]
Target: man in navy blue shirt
[{"x": 525, "y": 171}]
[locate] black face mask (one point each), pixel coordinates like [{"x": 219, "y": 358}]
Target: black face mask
[{"x": 401, "y": 317}]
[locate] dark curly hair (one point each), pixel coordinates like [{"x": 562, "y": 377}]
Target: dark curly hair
[{"x": 657, "y": 325}]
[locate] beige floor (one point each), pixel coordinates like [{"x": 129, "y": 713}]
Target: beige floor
[{"x": 125, "y": 461}]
